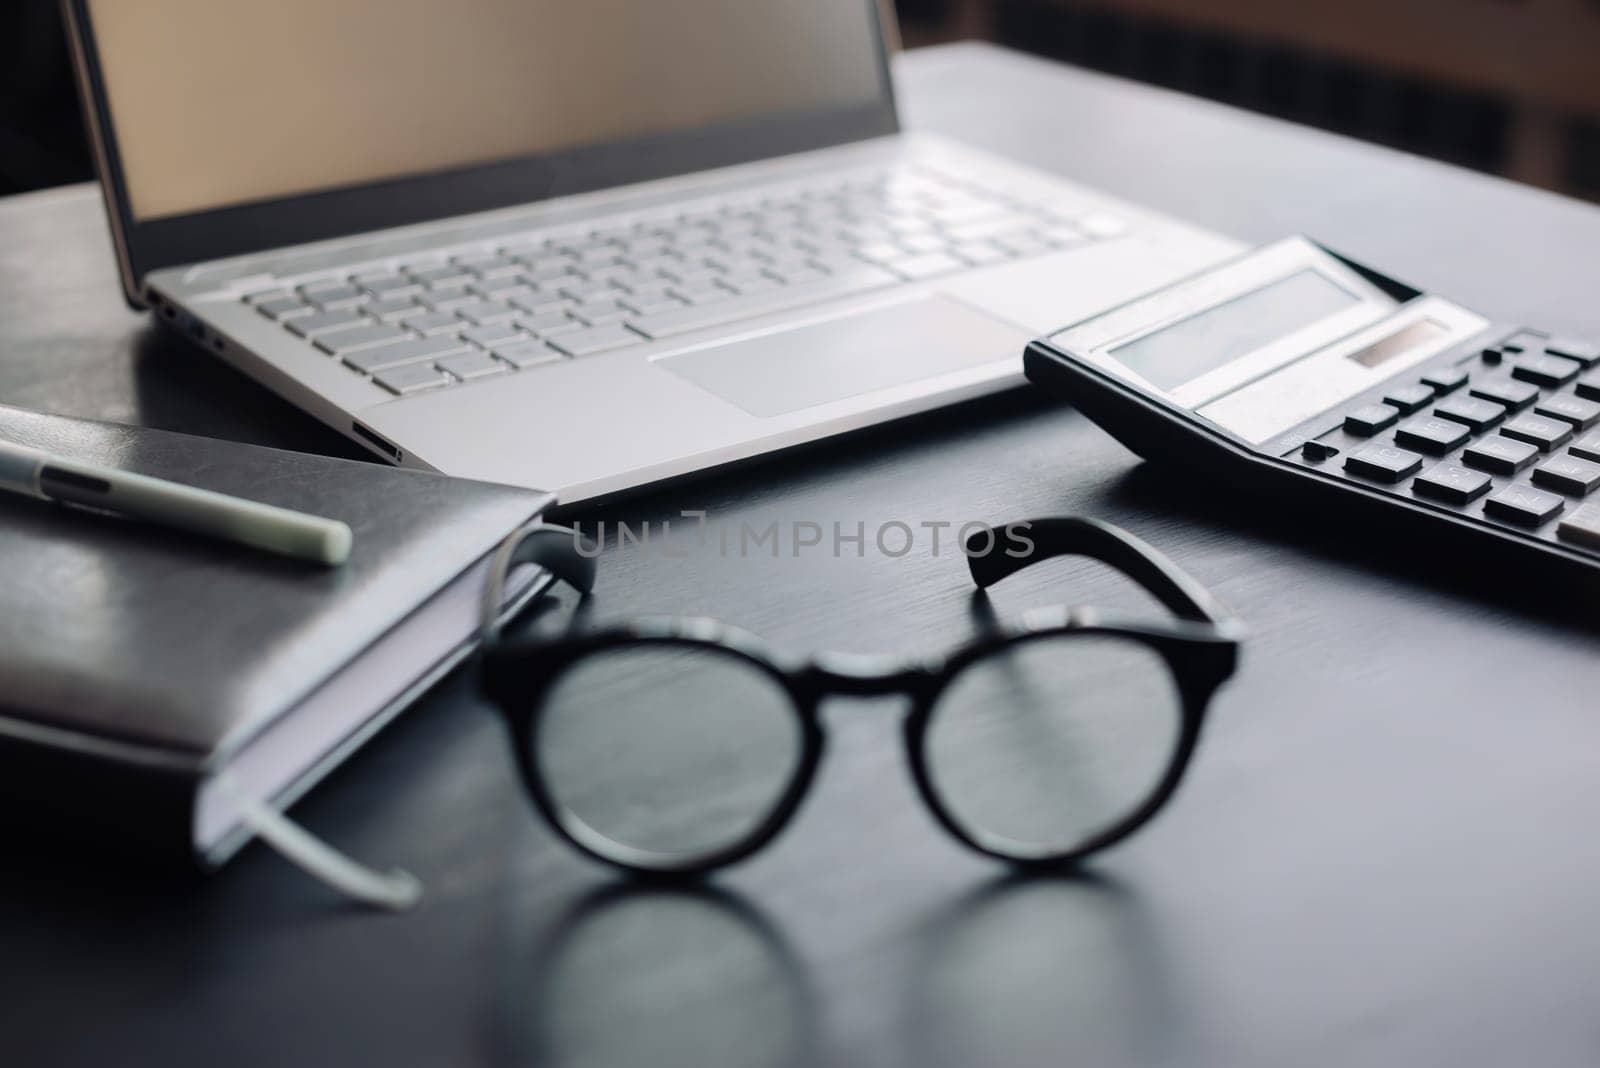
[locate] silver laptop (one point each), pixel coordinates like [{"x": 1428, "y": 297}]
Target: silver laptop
[{"x": 580, "y": 246}]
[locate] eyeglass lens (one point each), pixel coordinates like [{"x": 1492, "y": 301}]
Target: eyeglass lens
[
  {"x": 1042, "y": 746},
  {"x": 679, "y": 751}
]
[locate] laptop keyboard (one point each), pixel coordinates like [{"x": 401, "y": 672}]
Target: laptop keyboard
[{"x": 531, "y": 301}]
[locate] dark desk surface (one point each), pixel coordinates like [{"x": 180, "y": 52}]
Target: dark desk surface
[{"x": 1385, "y": 854}]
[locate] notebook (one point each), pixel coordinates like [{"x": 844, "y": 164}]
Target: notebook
[{"x": 155, "y": 686}]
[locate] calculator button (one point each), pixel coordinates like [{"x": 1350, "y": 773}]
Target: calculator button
[
  {"x": 1445, "y": 379},
  {"x": 1582, "y": 526},
  {"x": 1508, "y": 391},
  {"x": 1409, "y": 398},
  {"x": 1568, "y": 474},
  {"x": 1368, "y": 420},
  {"x": 1581, "y": 413},
  {"x": 1504, "y": 456},
  {"x": 1524, "y": 505},
  {"x": 1538, "y": 430},
  {"x": 1475, "y": 412},
  {"x": 1452, "y": 484},
  {"x": 1317, "y": 451},
  {"x": 1546, "y": 370},
  {"x": 1589, "y": 385},
  {"x": 1587, "y": 447},
  {"x": 1523, "y": 341},
  {"x": 1431, "y": 435},
  {"x": 1385, "y": 463},
  {"x": 1582, "y": 351}
]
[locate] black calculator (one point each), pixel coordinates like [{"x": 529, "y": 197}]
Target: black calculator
[{"x": 1297, "y": 371}]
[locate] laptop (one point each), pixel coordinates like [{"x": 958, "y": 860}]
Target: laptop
[{"x": 587, "y": 246}]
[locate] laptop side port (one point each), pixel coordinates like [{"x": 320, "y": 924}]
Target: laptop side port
[{"x": 384, "y": 446}]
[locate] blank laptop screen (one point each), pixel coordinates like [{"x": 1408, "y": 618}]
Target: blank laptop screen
[{"x": 219, "y": 103}]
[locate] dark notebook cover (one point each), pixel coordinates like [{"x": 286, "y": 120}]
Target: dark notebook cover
[{"x": 135, "y": 659}]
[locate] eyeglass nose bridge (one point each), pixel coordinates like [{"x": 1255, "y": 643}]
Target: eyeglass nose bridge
[{"x": 865, "y": 675}]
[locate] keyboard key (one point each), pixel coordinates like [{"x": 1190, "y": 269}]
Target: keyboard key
[
  {"x": 492, "y": 287},
  {"x": 494, "y": 334},
  {"x": 928, "y": 266},
  {"x": 1431, "y": 435},
  {"x": 750, "y": 286},
  {"x": 470, "y": 365},
  {"x": 1318, "y": 451},
  {"x": 1538, "y": 430},
  {"x": 413, "y": 350},
  {"x": 1507, "y": 391},
  {"x": 284, "y": 307},
  {"x": 391, "y": 309},
  {"x": 1475, "y": 412},
  {"x": 686, "y": 320},
  {"x": 1524, "y": 505},
  {"x": 442, "y": 277},
  {"x": 1445, "y": 379},
  {"x": 705, "y": 293},
  {"x": 311, "y": 325},
  {"x": 330, "y": 297},
  {"x": 1587, "y": 447},
  {"x": 550, "y": 325},
  {"x": 389, "y": 286},
  {"x": 1452, "y": 484},
  {"x": 261, "y": 296},
  {"x": 1546, "y": 370},
  {"x": 1384, "y": 463},
  {"x": 1568, "y": 474},
  {"x": 1369, "y": 419},
  {"x": 495, "y": 266},
  {"x": 487, "y": 311},
  {"x": 1589, "y": 385},
  {"x": 338, "y": 342},
  {"x": 1584, "y": 352},
  {"x": 639, "y": 305},
  {"x": 1582, "y": 527},
  {"x": 600, "y": 312},
  {"x": 1409, "y": 398},
  {"x": 544, "y": 304},
  {"x": 432, "y": 322},
  {"x": 1502, "y": 455},
  {"x": 411, "y": 378},
  {"x": 594, "y": 339},
  {"x": 450, "y": 298},
  {"x": 528, "y": 354},
  {"x": 1581, "y": 413}
]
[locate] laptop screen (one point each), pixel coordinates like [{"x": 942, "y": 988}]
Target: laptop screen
[{"x": 224, "y": 104}]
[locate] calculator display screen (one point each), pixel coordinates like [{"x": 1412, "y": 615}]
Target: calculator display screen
[{"x": 1208, "y": 339}]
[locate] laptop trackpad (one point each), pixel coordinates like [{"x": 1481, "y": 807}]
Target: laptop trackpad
[{"x": 785, "y": 371}]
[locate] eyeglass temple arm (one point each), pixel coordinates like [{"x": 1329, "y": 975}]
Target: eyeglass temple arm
[
  {"x": 556, "y": 549},
  {"x": 1137, "y": 559}
]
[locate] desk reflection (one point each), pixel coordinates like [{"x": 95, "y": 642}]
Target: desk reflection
[
  {"x": 665, "y": 977},
  {"x": 1034, "y": 970},
  {"x": 1023, "y": 970}
]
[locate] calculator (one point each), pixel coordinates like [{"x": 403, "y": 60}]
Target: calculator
[{"x": 1298, "y": 372}]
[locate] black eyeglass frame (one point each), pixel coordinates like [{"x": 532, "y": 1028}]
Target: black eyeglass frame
[{"x": 1199, "y": 648}]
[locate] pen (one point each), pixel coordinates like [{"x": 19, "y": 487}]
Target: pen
[{"x": 34, "y": 473}]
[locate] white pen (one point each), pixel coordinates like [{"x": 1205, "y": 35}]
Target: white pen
[{"x": 34, "y": 473}]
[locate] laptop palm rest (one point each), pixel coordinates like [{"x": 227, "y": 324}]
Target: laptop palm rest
[{"x": 862, "y": 352}]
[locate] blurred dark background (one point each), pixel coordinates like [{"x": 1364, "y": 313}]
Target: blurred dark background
[{"x": 1506, "y": 86}]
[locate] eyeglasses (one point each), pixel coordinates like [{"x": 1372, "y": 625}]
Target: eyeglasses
[{"x": 677, "y": 746}]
